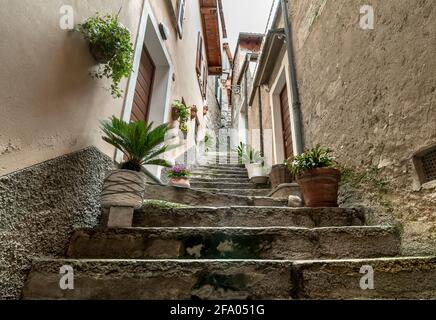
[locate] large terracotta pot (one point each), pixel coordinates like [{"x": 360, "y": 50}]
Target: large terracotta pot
[
  {"x": 180, "y": 183},
  {"x": 123, "y": 188},
  {"x": 320, "y": 187},
  {"x": 280, "y": 175}
]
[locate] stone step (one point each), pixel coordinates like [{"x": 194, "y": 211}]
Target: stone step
[
  {"x": 224, "y": 165},
  {"x": 242, "y": 192},
  {"x": 394, "y": 278},
  {"x": 193, "y": 197},
  {"x": 219, "y": 180},
  {"x": 228, "y": 185},
  {"x": 220, "y": 175},
  {"x": 235, "y": 243},
  {"x": 200, "y": 175},
  {"x": 220, "y": 169},
  {"x": 248, "y": 217},
  {"x": 161, "y": 280}
]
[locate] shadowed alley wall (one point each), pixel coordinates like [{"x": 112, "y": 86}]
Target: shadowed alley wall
[{"x": 371, "y": 95}]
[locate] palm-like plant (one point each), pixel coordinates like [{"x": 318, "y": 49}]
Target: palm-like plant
[
  {"x": 251, "y": 156},
  {"x": 140, "y": 143}
]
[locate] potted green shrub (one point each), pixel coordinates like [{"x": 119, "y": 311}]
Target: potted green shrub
[
  {"x": 141, "y": 145},
  {"x": 317, "y": 177},
  {"x": 179, "y": 176},
  {"x": 181, "y": 113},
  {"x": 111, "y": 46}
]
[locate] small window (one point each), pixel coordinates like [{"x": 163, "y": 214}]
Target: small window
[
  {"x": 180, "y": 16},
  {"x": 425, "y": 165}
]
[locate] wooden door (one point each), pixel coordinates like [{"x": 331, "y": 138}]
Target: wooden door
[
  {"x": 144, "y": 86},
  {"x": 286, "y": 123}
]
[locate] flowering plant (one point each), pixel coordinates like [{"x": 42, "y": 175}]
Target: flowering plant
[
  {"x": 178, "y": 171},
  {"x": 314, "y": 158}
]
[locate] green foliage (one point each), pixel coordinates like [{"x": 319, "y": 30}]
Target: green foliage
[
  {"x": 370, "y": 177},
  {"x": 251, "y": 156},
  {"x": 111, "y": 39},
  {"x": 208, "y": 143},
  {"x": 314, "y": 158},
  {"x": 159, "y": 204},
  {"x": 140, "y": 143},
  {"x": 241, "y": 151},
  {"x": 183, "y": 113}
]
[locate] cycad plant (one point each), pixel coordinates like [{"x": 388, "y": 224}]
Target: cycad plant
[
  {"x": 140, "y": 142},
  {"x": 251, "y": 156}
]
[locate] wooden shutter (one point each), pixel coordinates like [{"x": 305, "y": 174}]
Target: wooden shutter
[
  {"x": 144, "y": 86},
  {"x": 286, "y": 123}
]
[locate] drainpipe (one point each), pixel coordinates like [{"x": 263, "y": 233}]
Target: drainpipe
[
  {"x": 262, "y": 147},
  {"x": 296, "y": 104}
]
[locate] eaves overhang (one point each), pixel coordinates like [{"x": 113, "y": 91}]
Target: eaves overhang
[{"x": 274, "y": 42}]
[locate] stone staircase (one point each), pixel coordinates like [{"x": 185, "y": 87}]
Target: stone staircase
[{"x": 236, "y": 252}]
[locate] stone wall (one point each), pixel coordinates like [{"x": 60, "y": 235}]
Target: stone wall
[
  {"x": 40, "y": 206},
  {"x": 371, "y": 95}
]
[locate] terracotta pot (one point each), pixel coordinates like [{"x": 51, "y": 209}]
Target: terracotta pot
[
  {"x": 320, "y": 187},
  {"x": 180, "y": 183},
  {"x": 123, "y": 188},
  {"x": 174, "y": 114},
  {"x": 100, "y": 55},
  {"x": 280, "y": 175},
  {"x": 194, "y": 112}
]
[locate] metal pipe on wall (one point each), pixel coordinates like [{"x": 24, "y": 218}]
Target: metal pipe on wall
[{"x": 296, "y": 104}]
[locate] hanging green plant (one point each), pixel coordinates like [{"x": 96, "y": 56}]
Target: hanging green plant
[
  {"x": 182, "y": 113},
  {"x": 110, "y": 44}
]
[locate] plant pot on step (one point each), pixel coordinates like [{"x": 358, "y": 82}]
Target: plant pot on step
[
  {"x": 319, "y": 187},
  {"x": 280, "y": 175},
  {"x": 254, "y": 170},
  {"x": 179, "y": 183},
  {"x": 123, "y": 188}
]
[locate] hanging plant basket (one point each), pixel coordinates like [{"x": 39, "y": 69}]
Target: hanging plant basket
[{"x": 101, "y": 55}]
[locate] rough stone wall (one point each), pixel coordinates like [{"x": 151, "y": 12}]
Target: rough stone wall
[
  {"x": 40, "y": 206},
  {"x": 371, "y": 95}
]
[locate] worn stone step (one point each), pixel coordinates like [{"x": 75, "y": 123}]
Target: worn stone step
[
  {"x": 219, "y": 175},
  {"x": 220, "y": 169},
  {"x": 235, "y": 243},
  {"x": 161, "y": 280},
  {"x": 194, "y": 197},
  {"x": 394, "y": 278},
  {"x": 213, "y": 176},
  {"x": 242, "y": 192},
  {"x": 228, "y": 185},
  {"x": 226, "y": 165},
  {"x": 219, "y": 180},
  {"x": 248, "y": 217}
]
